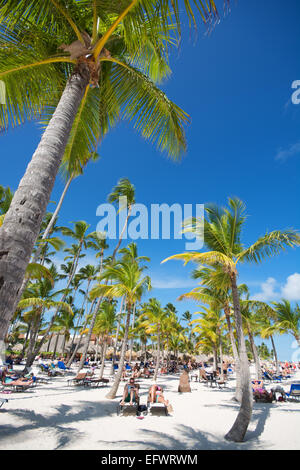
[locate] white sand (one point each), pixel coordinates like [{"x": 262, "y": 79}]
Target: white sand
[{"x": 57, "y": 416}]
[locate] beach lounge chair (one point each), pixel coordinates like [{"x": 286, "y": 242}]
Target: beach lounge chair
[
  {"x": 17, "y": 385},
  {"x": 294, "y": 391},
  {"x": 78, "y": 380},
  {"x": 157, "y": 408},
  {"x": 2, "y": 401},
  {"x": 61, "y": 365},
  {"x": 90, "y": 382},
  {"x": 127, "y": 408},
  {"x": 272, "y": 377}
]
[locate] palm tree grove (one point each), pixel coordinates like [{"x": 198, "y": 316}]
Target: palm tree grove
[{"x": 149, "y": 227}]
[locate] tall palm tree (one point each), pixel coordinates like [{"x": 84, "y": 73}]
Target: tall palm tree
[
  {"x": 130, "y": 253},
  {"x": 222, "y": 236},
  {"x": 104, "y": 326},
  {"x": 124, "y": 193},
  {"x": 170, "y": 326},
  {"x": 154, "y": 315},
  {"x": 63, "y": 325},
  {"x": 127, "y": 281},
  {"x": 210, "y": 326},
  {"x": 41, "y": 298},
  {"x": 79, "y": 234},
  {"x": 117, "y": 48}
]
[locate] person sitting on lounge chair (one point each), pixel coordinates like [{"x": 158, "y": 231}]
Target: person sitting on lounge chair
[
  {"x": 155, "y": 395},
  {"x": 131, "y": 393},
  {"x": 259, "y": 392},
  {"x": 136, "y": 373}
]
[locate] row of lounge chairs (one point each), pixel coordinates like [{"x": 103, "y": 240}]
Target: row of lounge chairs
[{"x": 270, "y": 377}]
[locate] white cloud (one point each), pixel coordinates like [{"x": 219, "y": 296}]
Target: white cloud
[
  {"x": 283, "y": 154},
  {"x": 267, "y": 291},
  {"x": 272, "y": 290},
  {"x": 291, "y": 289}
]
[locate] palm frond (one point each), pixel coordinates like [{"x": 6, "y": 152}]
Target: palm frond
[{"x": 270, "y": 244}]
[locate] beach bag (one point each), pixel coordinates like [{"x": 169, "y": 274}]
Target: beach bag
[{"x": 142, "y": 409}]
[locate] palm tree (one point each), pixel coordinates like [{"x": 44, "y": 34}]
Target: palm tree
[
  {"x": 79, "y": 234},
  {"x": 170, "y": 326},
  {"x": 41, "y": 298},
  {"x": 127, "y": 282},
  {"x": 124, "y": 193},
  {"x": 130, "y": 254},
  {"x": 288, "y": 318},
  {"x": 102, "y": 43},
  {"x": 210, "y": 326},
  {"x": 104, "y": 326},
  {"x": 222, "y": 235},
  {"x": 187, "y": 317},
  {"x": 63, "y": 324},
  {"x": 154, "y": 316}
]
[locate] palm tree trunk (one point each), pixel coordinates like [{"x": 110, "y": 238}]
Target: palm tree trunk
[
  {"x": 97, "y": 349},
  {"x": 112, "y": 370},
  {"x": 275, "y": 355},
  {"x": 33, "y": 335},
  {"x": 113, "y": 391},
  {"x": 215, "y": 357},
  {"x": 25, "y": 339},
  {"x": 158, "y": 356},
  {"x": 221, "y": 358},
  {"x": 22, "y": 222},
  {"x": 53, "y": 218},
  {"x": 240, "y": 426},
  {"x": 49, "y": 342},
  {"x": 103, "y": 359},
  {"x": 55, "y": 346},
  {"x": 89, "y": 335},
  {"x": 121, "y": 235},
  {"x": 131, "y": 341},
  {"x": 238, "y": 389},
  {"x": 79, "y": 342},
  {"x": 255, "y": 354}
]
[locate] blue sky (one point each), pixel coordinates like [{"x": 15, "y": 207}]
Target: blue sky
[{"x": 243, "y": 140}]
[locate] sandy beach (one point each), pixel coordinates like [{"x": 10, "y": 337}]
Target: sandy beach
[{"x": 61, "y": 416}]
